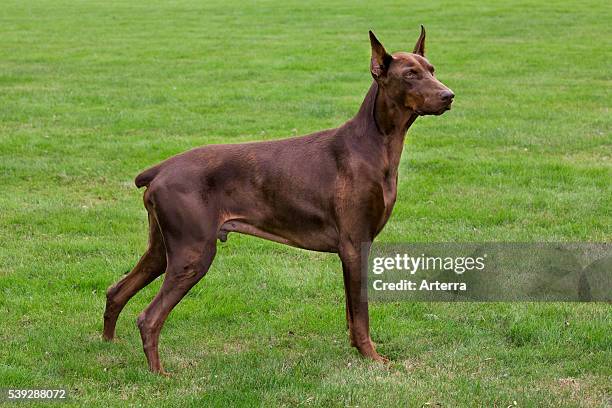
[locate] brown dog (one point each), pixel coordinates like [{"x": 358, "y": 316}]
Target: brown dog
[{"x": 329, "y": 191}]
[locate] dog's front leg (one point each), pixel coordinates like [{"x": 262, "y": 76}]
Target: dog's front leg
[
  {"x": 349, "y": 318},
  {"x": 356, "y": 299}
]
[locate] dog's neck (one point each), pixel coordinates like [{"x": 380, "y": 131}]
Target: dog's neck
[
  {"x": 379, "y": 115},
  {"x": 390, "y": 119}
]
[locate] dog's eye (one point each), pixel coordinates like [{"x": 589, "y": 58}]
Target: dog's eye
[{"x": 411, "y": 73}]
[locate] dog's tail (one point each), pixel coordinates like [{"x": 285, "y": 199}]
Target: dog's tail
[{"x": 146, "y": 177}]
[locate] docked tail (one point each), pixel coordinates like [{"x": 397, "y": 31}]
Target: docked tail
[{"x": 147, "y": 176}]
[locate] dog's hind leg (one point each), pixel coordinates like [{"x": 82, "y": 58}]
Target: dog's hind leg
[
  {"x": 190, "y": 233},
  {"x": 183, "y": 272},
  {"x": 150, "y": 266}
]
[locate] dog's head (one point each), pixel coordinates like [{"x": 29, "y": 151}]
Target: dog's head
[{"x": 408, "y": 78}]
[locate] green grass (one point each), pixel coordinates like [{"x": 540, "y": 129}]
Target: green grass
[{"x": 93, "y": 92}]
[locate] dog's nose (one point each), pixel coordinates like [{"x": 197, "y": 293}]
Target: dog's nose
[{"x": 447, "y": 95}]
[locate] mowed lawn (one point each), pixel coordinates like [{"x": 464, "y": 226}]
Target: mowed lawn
[{"x": 91, "y": 93}]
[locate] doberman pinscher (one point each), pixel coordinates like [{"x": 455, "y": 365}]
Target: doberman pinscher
[{"x": 330, "y": 191}]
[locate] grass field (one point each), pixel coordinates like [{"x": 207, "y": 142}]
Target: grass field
[{"x": 93, "y": 92}]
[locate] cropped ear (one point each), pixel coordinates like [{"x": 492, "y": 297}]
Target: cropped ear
[
  {"x": 380, "y": 58},
  {"x": 419, "y": 48}
]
